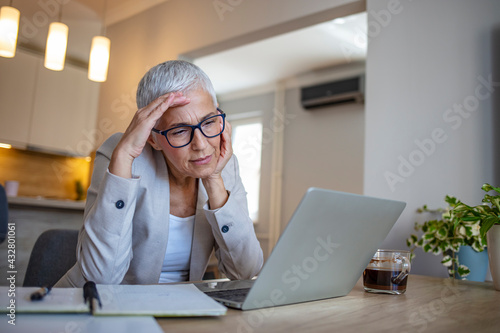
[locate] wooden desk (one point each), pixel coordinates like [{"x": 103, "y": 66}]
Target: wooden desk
[{"x": 429, "y": 305}]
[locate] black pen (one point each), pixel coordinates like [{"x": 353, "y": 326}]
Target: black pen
[
  {"x": 91, "y": 296},
  {"x": 40, "y": 293}
]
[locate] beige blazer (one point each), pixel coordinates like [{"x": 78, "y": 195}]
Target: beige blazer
[{"x": 125, "y": 232}]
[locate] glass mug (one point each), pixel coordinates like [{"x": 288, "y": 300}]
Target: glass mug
[{"x": 387, "y": 272}]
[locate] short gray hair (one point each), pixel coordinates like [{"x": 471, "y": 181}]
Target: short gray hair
[{"x": 172, "y": 76}]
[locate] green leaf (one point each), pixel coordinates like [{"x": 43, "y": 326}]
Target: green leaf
[
  {"x": 444, "y": 246},
  {"x": 448, "y": 247},
  {"x": 468, "y": 231},
  {"x": 428, "y": 236},
  {"x": 488, "y": 222},
  {"x": 452, "y": 201},
  {"x": 483, "y": 209},
  {"x": 427, "y": 248},
  {"x": 455, "y": 245},
  {"x": 471, "y": 218},
  {"x": 496, "y": 202},
  {"x": 422, "y": 209},
  {"x": 477, "y": 246},
  {"x": 442, "y": 233},
  {"x": 446, "y": 259},
  {"x": 463, "y": 270},
  {"x": 461, "y": 207},
  {"x": 487, "y": 187}
]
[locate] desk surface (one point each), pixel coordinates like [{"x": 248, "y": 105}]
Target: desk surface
[
  {"x": 429, "y": 305},
  {"x": 46, "y": 203}
]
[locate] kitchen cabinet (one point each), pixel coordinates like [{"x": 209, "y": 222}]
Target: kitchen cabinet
[
  {"x": 50, "y": 111},
  {"x": 64, "y": 111},
  {"x": 17, "y": 87}
]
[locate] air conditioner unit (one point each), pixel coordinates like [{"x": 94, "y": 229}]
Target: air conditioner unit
[{"x": 349, "y": 90}]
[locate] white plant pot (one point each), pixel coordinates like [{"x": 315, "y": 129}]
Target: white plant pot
[{"x": 493, "y": 239}]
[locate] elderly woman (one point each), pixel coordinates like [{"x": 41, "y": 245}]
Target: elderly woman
[{"x": 167, "y": 192}]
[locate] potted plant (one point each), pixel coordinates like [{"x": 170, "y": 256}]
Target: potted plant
[
  {"x": 446, "y": 236},
  {"x": 488, "y": 217}
]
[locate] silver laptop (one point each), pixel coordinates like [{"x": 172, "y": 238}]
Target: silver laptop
[{"x": 322, "y": 253}]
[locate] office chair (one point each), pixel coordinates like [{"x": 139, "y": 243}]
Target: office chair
[
  {"x": 53, "y": 254},
  {"x": 4, "y": 214}
]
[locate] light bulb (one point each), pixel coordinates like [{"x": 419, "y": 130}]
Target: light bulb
[
  {"x": 99, "y": 59},
  {"x": 57, "y": 41},
  {"x": 9, "y": 27}
]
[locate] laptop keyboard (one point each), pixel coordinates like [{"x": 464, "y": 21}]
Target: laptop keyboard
[{"x": 236, "y": 295}]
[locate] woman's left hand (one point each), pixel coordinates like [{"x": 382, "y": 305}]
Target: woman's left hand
[
  {"x": 226, "y": 149},
  {"x": 217, "y": 194}
]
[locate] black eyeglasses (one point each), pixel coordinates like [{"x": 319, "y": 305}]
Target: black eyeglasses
[{"x": 181, "y": 136}]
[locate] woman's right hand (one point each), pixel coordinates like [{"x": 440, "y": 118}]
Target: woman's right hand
[{"x": 135, "y": 137}]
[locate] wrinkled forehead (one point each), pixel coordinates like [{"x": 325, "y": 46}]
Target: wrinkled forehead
[{"x": 199, "y": 108}]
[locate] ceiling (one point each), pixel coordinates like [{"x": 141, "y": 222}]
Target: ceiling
[
  {"x": 83, "y": 17},
  {"x": 328, "y": 44}
]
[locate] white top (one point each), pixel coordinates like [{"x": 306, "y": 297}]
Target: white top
[{"x": 178, "y": 254}]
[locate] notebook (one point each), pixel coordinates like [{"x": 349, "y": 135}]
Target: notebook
[
  {"x": 78, "y": 323},
  {"x": 321, "y": 254},
  {"x": 161, "y": 300}
]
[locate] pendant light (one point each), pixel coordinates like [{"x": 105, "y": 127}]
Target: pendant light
[
  {"x": 99, "y": 54},
  {"x": 57, "y": 41},
  {"x": 9, "y": 27}
]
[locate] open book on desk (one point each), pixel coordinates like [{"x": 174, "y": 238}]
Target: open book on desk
[{"x": 162, "y": 300}]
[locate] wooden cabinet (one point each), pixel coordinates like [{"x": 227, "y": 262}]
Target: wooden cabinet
[
  {"x": 47, "y": 110},
  {"x": 64, "y": 111},
  {"x": 17, "y": 87}
]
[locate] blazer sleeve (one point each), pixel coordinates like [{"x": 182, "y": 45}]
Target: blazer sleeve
[
  {"x": 104, "y": 248},
  {"x": 237, "y": 248}
]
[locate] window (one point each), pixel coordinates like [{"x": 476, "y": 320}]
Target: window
[{"x": 247, "y": 146}]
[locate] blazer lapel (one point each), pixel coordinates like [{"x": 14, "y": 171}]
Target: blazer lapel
[
  {"x": 203, "y": 240},
  {"x": 160, "y": 196}
]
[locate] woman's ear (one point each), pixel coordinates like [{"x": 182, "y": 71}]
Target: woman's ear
[{"x": 152, "y": 141}]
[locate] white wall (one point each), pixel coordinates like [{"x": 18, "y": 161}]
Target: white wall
[
  {"x": 263, "y": 102},
  {"x": 179, "y": 27},
  {"x": 426, "y": 60},
  {"x": 323, "y": 147},
  {"x": 190, "y": 28}
]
